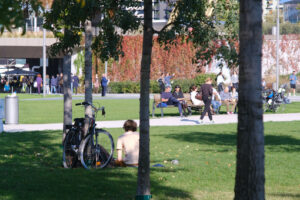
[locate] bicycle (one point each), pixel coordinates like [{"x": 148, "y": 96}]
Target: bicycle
[
  {"x": 72, "y": 142},
  {"x": 87, "y": 149},
  {"x": 274, "y": 100},
  {"x": 97, "y": 148}
]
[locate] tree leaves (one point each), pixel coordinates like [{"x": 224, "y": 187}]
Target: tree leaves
[{"x": 67, "y": 18}]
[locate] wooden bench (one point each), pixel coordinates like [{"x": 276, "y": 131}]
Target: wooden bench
[{"x": 187, "y": 98}]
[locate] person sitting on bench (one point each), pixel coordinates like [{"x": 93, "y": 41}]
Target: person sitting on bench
[
  {"x": 168, "y": 98},
  {"x": 228, "y": 100}
]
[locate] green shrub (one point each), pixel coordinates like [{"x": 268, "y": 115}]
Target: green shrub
[
  {"x": 200, "y": 79},
  {"x": 134, "y": 87},
  {"x": 185, "y": 84}
]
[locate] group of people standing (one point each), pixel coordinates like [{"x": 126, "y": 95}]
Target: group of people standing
[
  {"x": 57, "y": 84},
  {"x": 17, "y": 84}
]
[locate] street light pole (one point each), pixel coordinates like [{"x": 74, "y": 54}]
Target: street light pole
[
  {"x": 44, "y": 62},
  {"x": 277, "y": 47},
  {"x": 44, "y": 55}
]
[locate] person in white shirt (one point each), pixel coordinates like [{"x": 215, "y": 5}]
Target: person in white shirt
[
  {"x": 194, "y": 92},
  {"x": 235, "y": 81},
  {"x": 220, "y": 81},
  {"x": 128, "y": 143}
]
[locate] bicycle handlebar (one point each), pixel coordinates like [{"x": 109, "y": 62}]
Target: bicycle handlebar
[{"x": 89, "y": 104}]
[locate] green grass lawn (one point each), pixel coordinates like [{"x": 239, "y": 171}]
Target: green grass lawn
[
  {"x": 30, "y": 166},
  {"x": 51, "y": 111},
  {"x": 29, "y": 96}
]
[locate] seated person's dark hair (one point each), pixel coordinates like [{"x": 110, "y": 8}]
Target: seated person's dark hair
[
  {"x": 130, "y": 125},
  {"x": 193, "y": 87}
]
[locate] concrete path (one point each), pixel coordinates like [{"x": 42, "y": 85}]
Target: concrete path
[{"x": 165, "y": 121}]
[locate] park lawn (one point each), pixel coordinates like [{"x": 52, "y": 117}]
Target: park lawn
[
  {"x": 30, "y": 165},
  {"x": 51, "y": 111},
  {"x": 28, "y": 96}
]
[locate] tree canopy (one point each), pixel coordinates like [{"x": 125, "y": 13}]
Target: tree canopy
[
  {"x": 14, "y": 12},
  {"x": 212, "y": 26},
  {"x": 110, "y": 17}
]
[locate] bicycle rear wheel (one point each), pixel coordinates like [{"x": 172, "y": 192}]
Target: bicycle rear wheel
[
  {"x": 96, "y": 150},
  {"x": 70, "y": 148}
]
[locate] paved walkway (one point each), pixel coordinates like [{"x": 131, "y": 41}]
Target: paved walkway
[{"x": 165, "y": 121}]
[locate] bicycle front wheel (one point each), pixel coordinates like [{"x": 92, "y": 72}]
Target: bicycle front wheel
[{"x": 96, "y": 150}]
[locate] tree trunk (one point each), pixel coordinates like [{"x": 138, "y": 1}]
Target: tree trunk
[
  {"x": 88, "y": 74},
  {"x": 67, "y": 93},
  {"x": 143, "y": 183},
  {"x": 250, "y": 179}
]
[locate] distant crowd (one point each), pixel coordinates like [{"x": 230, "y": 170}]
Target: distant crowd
[{"x": 53, "y": 85}]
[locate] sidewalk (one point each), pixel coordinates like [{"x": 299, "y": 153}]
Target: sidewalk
[{"x": 165, "y": 121}]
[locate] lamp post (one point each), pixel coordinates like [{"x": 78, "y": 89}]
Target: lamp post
[
  {"x": 44, "y": 62},
  {"x": 277, "y": 47},
  {"x": 46, "y": 5}
]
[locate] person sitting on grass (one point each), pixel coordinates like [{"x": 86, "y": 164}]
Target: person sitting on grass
[
  {"x": 168, "y": 98},
  {"x": 227, "y": 99},
  {"x": 128, "y": 143}
]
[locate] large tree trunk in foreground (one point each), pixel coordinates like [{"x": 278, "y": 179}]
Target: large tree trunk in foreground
[
  {"x": 143, "y": 183},
  {"x": 88, "y": 73},
  {"x": 67, "y": 93},
  {"x": 250, "y": 179}
]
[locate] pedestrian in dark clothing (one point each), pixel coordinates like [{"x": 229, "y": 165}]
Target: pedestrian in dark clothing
[
  {"x": 207, "y": 92},
  {"x": 75, "y": 83},
  {"x": 161, "y": 82},
  {"x": 104, "y": 83}
]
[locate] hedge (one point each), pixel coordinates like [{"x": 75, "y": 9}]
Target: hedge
[{"x": 134, "y": 87}]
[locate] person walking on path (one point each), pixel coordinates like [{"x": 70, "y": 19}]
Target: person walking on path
[
  {"x": 293, "y": 82},
  {"x": 39, "y": 82},
  {"x": 207, "y": 92},
  {"x": 75, "y": 83},
  {"x": 104, "y": 84},
  {"x": 53, "y": 85}
]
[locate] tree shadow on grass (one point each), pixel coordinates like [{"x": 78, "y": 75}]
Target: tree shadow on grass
[
  {"x": 31, "y": 169},
  {"x": 276, "y": 143},
  {"x": 286, "y": 195}
]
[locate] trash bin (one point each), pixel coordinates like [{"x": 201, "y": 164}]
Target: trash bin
[{"x": 11, "y": 110}]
